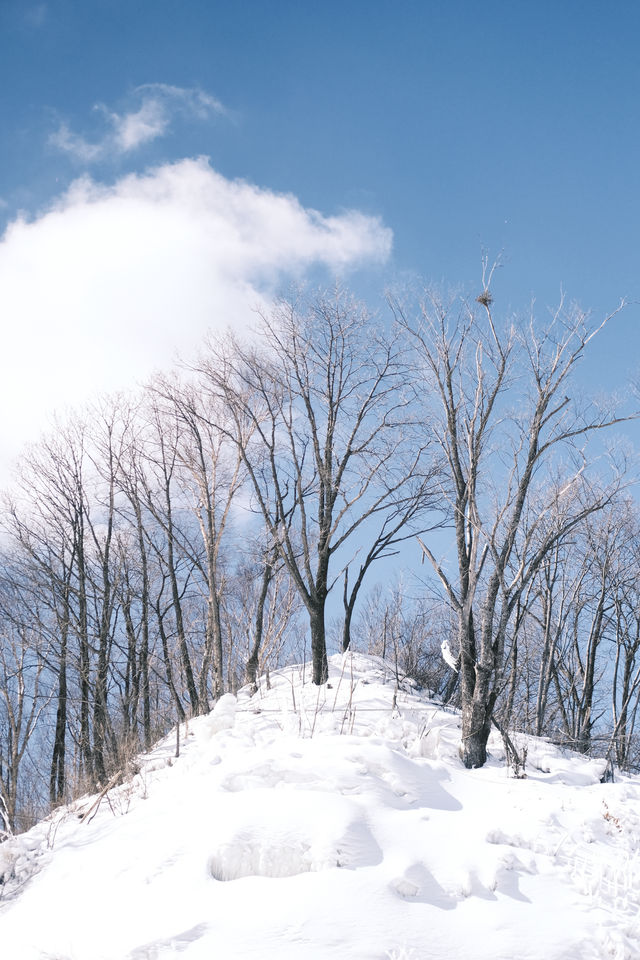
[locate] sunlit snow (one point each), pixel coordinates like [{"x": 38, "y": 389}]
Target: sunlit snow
[{"x": 308, "y": 822}]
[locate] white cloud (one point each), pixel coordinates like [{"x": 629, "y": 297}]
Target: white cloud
[
  {"x": 106, "y": 285},
  {"x": 131, "y": 130},
  {"x": 155, "y": 105},
  {"x": 74, "y": 144}
]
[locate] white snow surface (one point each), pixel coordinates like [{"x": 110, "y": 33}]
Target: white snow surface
[{"x": 335, "y": 821}]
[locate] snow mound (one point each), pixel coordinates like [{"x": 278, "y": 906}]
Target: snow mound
[
  {"x": 222, "y": 717},
  {"x": 320, "y": 833},
  {"x": 306, "y": 822}
]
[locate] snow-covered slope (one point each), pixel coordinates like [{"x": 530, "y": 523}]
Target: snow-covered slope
[{"x": 311, "y": 822}]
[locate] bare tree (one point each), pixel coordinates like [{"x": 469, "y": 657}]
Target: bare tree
[
  {"x": 46, "y": 518},
  {"x": 497, "y": 404},
  {"x": 262, "y": 609},
  {"x": 212, "y": 477},
  {"x": 318, "y": 410},
  {"x": 625, "y": 698},
  {"x": 403, "y": 521},
  {"x": 559, "y": 589},
  {"x": 408, "y": 631},
  {"x": 156, "y": 471},
  {"x": 100, "y": 519},
  {"x": 22, "y": 699},
  {"x": 603, "y": 636},
  {"x": 580, "y": 666}
]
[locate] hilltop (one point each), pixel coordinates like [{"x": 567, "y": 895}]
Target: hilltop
[{"x": 307, "y": 822}]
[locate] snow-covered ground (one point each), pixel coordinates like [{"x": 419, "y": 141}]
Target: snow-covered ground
[{"x": 311, "y": 822}]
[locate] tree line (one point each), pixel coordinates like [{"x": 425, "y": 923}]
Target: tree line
[{"x": 165, "y": 547}]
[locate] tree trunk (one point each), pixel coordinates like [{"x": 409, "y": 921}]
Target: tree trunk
[
  {"x": 252, "y": 663},
  {"x": 168, "y": 663},
  {"x": 476, "y": 727},
  {"x": 349, "y": 602},
  {"x": 318, "y": 644},
  {"x": 212, "y": 659},
  {"x": 144, "y": 646},
  {"x": 86, "y": 753},
  {"x": 177, "y": 612},
  {"x": 57, "y": 778},
  {"x": 476, "y": 708}
]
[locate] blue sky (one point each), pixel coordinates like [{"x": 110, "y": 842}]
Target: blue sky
[{"x": 450, "y": 127}]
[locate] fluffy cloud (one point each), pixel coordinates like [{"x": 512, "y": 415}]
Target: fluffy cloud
[
  {"x": 154, "y": 107},
  {"x": 110, "y": 282}
]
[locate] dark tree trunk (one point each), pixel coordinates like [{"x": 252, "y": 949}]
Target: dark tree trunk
[
  {"x": 476, "y": 727},
  {"x": 318, "y": 644},
  {"x": 100, "y": 714},
  {"x": 213, "y": 654},
  {"x": 168, "y": 663},
  {"x": 349, "y": 602},
  {"x": 144, "y": 644},
  {"x": 252, "y": 663},
  {"x": 476, "y": 718},
  {"x": 57, "y": 778},
  {"x": 132, "y": 674},
  {"x": 86, "y": 753},
  {"x": 177, "y": 610}
]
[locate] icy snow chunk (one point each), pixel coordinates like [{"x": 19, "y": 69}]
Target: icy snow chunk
[
  {"x": 8, "y": 858},
  {"x": 428, "y": 746},
  {"x": 405, "y": 887},
  {"x": 222, "y": 717},
  {"x": 248, "y": 854},
  {"x": 448, "y": 656},
  {"x": 177, "y": 943},
  {"x": 418, "y": 883}
]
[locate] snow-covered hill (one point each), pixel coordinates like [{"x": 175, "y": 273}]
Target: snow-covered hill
[{"x": 311, "y": 822}]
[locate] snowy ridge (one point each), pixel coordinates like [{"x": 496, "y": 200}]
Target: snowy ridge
[{"x": 309, "y": 822}]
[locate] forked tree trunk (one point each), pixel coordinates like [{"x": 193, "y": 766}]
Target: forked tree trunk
[
  {"x": 475, "y": 723},
  {"x": 476, "y": 726}
]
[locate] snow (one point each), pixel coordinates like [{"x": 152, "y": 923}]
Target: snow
[
  {"x": 303, "y": 823},
  {"x": 448, "y": 656}
]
